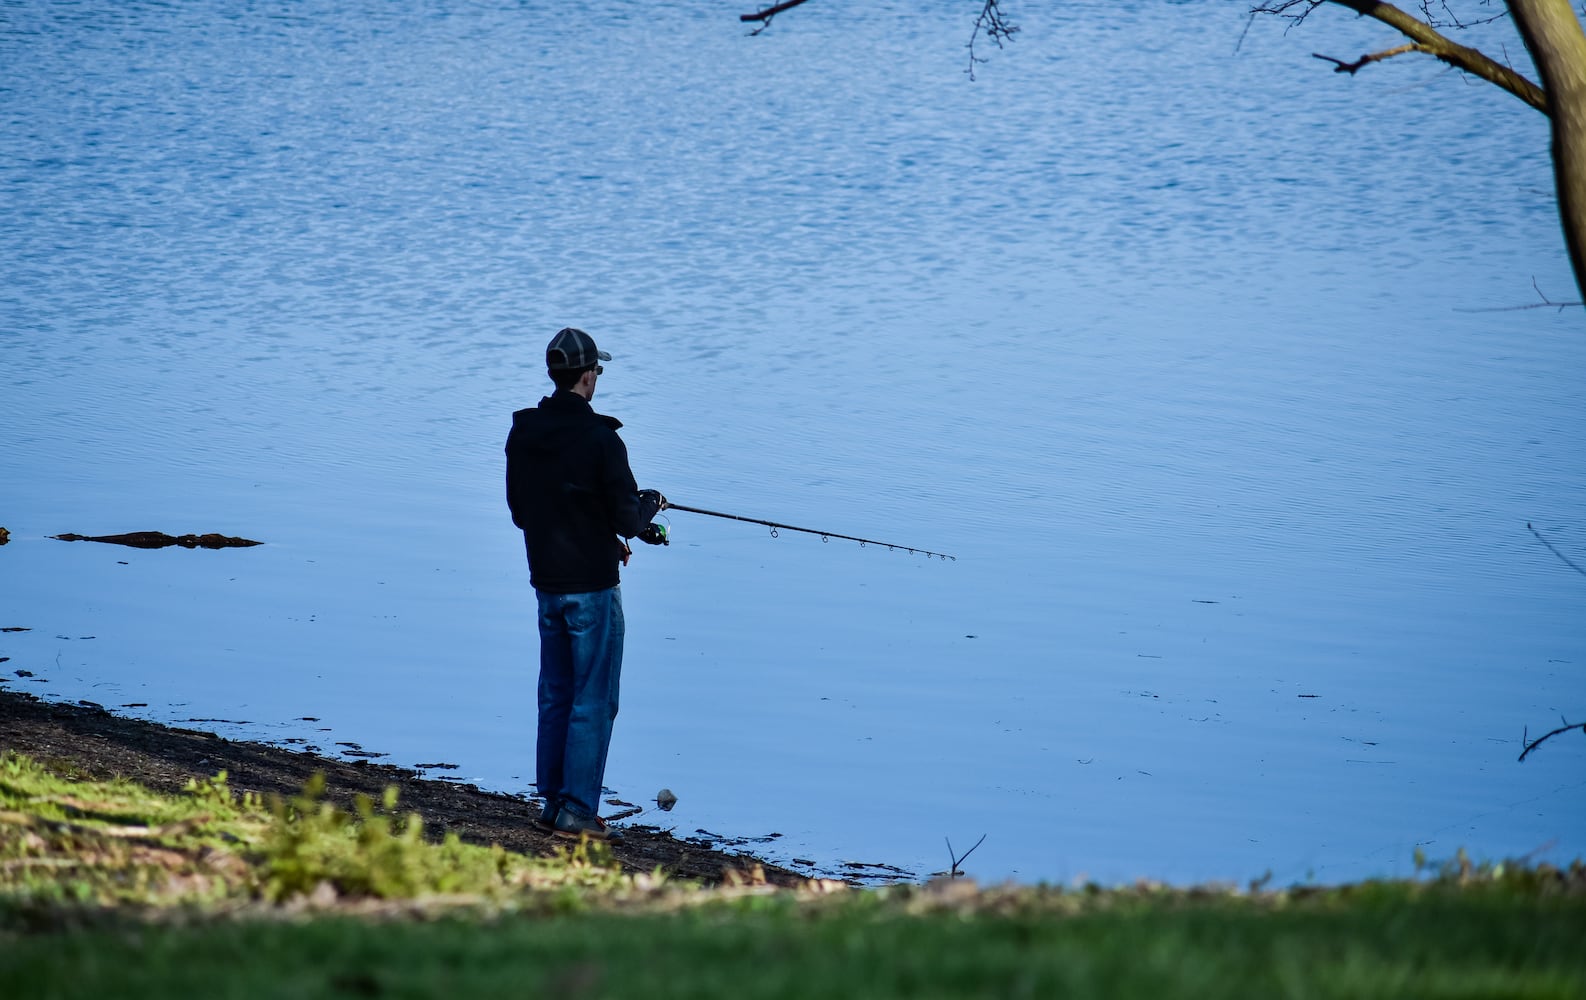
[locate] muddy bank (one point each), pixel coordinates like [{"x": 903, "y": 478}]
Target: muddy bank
[{"x": 100, "y": 745}]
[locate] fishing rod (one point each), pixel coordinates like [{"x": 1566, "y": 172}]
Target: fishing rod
[{"x": 825, "y": 535}]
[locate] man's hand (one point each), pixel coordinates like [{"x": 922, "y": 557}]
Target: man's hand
[
  {"x": 655, "y": 497},
  {"x": 655, "y": 534}
]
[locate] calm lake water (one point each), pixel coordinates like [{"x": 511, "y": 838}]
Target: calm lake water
[{"x": 1188, "y": 349}]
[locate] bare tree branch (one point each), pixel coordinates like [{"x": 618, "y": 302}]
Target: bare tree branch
[
  {"x": 1546, "y": 303},
  {"x": 994, "y": 25},
  {"x": 1533, "y": 744},
  {"x": 1339, "y": 66},
  {"x": 1425, "y": 36},
  {"x": 990, "y": 22},
  {"x": 1452, "y": 19},
  {"x": 765, "y": 16},
  {"x": 770, "y": 12}
]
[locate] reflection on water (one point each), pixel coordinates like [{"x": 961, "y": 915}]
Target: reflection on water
[{"x": 1178, "y": 350}]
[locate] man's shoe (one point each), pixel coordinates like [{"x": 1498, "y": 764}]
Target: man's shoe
[
  {"x": 571, "y": 825},
  {"x": 546, "y": 820}
]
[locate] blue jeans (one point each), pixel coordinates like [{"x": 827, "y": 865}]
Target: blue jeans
[{"x": 580, "y": 667}]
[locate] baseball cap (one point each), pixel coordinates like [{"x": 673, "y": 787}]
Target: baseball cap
[{"x": 572, "y": 348}]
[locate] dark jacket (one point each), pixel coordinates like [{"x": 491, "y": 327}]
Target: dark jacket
[{"x": 571, "y": 491}]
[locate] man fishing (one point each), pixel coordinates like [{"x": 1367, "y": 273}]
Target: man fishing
[{"x": 571, "y": 491}]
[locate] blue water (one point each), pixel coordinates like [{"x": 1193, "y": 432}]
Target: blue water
[{"x": 1196, "y": 355}]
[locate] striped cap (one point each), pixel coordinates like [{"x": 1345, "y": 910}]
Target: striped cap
[{"x": 571, "y": 349}]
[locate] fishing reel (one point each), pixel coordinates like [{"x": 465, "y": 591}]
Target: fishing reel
[{"x": 655, "y": 534}]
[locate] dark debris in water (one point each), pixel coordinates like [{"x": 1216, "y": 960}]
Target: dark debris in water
[
  {"x": 160, "y": 540},
  {"x": 736, "y": 841},
  {"x": 868, "y": 869}
]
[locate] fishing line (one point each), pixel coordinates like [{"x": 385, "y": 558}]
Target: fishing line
[{"x": 825, "y": 536}]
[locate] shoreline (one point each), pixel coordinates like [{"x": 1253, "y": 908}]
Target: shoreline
[{"x": 98, "y": 744}]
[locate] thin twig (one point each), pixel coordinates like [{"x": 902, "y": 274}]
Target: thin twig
[
  {"x": 765, "y": 16},
  {"x": 1422, "y": 34},
  {"x": 1543, "y": 739},
  {"x": 1546, "y": 303},
  {"x": 994, "y": 25},
  {"x": 1285, "y": 10},
  {"x": 1241, "y": 43},
  {"x": 952, "y": 869},
  {"x": 1551, "y": 548},
  {"x": 1453, "y": 18},
  {"x": 770, "y": 12},
  {"x": 1339, "y": 66}
]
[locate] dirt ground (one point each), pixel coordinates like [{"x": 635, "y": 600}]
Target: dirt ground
[{"x": 100, "y": 745}]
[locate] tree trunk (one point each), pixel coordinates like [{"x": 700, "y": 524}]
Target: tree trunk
[{"x": 1557, "y": 45}]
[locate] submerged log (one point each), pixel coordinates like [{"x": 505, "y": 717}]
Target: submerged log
[{"x": 159, "y": 540}]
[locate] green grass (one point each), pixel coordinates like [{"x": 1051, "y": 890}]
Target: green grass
[
  {"x": 107, "y": 890},
  {"x": 70, "y": 848},
  {"x": 1438, "y": 946}
]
